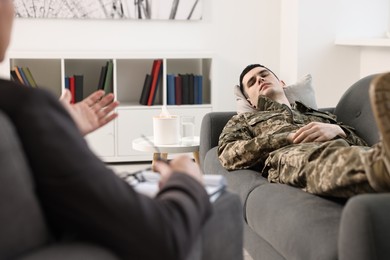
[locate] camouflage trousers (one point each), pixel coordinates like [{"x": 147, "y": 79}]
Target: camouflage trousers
[{"x": 333, "y": 168}]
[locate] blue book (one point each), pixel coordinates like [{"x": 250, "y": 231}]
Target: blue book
[
  {"x": 199, "y": 89},
  {"x": 170, "y": 89},
  {"x": 67, "y": 83},
  {"x": 26, "y": 82},
  {"x": 196, "y": 91}
]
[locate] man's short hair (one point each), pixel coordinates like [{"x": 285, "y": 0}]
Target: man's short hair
[{"x": 249, "y": 68}]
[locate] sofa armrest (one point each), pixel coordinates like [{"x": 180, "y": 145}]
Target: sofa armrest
[
  {"x": 365, "y": 228},
  {"x": 212, "y": 126}
]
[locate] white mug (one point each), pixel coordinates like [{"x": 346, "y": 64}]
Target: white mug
[{"x": 166, "y": 130}]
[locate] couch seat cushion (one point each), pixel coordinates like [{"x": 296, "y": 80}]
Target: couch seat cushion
[
  {"x": 297, "y": 224},
  {"x": 241, "y": 182}
]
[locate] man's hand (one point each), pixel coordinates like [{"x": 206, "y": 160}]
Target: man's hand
[
  {"x": 182, "y": 164},
  {"x": 92, "y": 112},
  {"x": 316, "y": 132}
]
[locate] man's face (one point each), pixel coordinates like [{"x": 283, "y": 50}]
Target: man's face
[
  {"x": 6, "y": 20},
  {"x": 260, "y": 81}
]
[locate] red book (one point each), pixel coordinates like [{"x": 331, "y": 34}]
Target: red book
[
  {"x": 155, "y": 74},
  {"x": 178, "y": 90},
  {"x": 72, "y": 89}
]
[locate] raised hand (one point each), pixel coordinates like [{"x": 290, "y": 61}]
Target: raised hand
[{"x": 92, "y": 112}]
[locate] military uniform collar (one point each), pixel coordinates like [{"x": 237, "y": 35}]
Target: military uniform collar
[{"x": 267, "y": 104}]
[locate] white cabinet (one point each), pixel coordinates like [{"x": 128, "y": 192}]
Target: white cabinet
[{"x": 113, "y": 141}]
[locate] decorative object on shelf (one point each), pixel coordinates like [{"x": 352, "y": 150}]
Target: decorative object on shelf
[{"x": 110, "y": 9}]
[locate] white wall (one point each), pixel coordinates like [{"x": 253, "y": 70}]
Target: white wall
[
  {"x": 237, "y": 32},
  {"x": 309, "y": 29},
  {"x": 292, "y": 37}
]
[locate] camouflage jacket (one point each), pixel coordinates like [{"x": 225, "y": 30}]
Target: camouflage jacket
[{"x": 248, "y": 138}]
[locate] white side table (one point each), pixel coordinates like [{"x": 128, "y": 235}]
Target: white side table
[{"x": 161, "y": 151}]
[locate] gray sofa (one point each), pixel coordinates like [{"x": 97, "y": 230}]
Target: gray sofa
[
  {"x": 25, "y": 234},
  {"x": 283, "y": 222}
]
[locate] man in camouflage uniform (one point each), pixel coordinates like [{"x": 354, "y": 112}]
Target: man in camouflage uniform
[{"x": 303, "y": 147}]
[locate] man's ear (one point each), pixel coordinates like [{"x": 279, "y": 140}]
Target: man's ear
[
  {"x": 283, "y": 83},
  {"x": 250, "y": 103}
]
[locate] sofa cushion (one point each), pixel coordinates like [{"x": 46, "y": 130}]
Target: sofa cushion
[
  {"x": 241, "y": 182},
  {"x": 22, "y": 223},
  {"x": 297, "y": 224},
  {"x": 358, "y": 114}
]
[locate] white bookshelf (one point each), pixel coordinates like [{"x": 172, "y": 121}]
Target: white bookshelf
[{"x": 113, "y": 142}]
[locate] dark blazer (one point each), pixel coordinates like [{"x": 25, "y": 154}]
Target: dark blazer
[{"x": 82, "y": 197}]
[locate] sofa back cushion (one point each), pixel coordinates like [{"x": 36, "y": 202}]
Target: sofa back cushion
[
  {"x": 22, "y": 223},
  {"x": 354, "y": 109}
]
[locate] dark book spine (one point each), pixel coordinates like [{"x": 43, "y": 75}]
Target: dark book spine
[
  {"x": 199, "y": 89},
  {"x": 178, "y": 90},
  {"x": 145, "y": 90},
  {"x": 170, "y": 89},
  {"x": 102, "y": 78},
  {"x": 185, "y": 89},
  {"x": 108, "y": 79},
  {"x": 191, "y": 97},
  {"x": 67, "y": 83},
  {"x": 79, "y": 87}
]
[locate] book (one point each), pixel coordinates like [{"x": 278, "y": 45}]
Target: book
[
  {"x": 78, "y": 88},
  {"x": 178, "y": 90},
  {"x": 17, "y": 72},
  {"x": 15, "y": 77},
  {"x": 199, "y": 89},
  {"x": 102, "y": 78},
  {"x": 24, "y": 77},
  {"x": 146, "y": 90},
  {"x": 29, "y": 77},
  {"x": 191, "y": 96},
  {"x": 67, "y": 83},
  {"x": 108, "y": 79},
  {"x": 158, "y": 85},
  {"x": 146, "y": 182},
  {"x": 72, "y": 89},
  {"x": 170, "y": 89},
  {"x": 185, "y": 89},
  {"x": 155, "y": 78}
]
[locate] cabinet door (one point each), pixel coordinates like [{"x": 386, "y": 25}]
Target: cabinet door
[
  {"x": 132, "y": 124},
  {"x": 102, "y": 141}
]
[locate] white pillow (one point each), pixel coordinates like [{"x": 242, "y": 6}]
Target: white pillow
[{"x": 302, "y": 91}]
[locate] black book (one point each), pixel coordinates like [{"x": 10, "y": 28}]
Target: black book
[
  {"x": 78, "y": 87},
  {"x": 146, "y": 90},
  {"x": 102, "y": 78},
  {"x": 185, "y": 89}
]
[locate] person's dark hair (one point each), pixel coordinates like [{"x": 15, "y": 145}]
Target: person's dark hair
[{"x": 249, "y": 68}]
